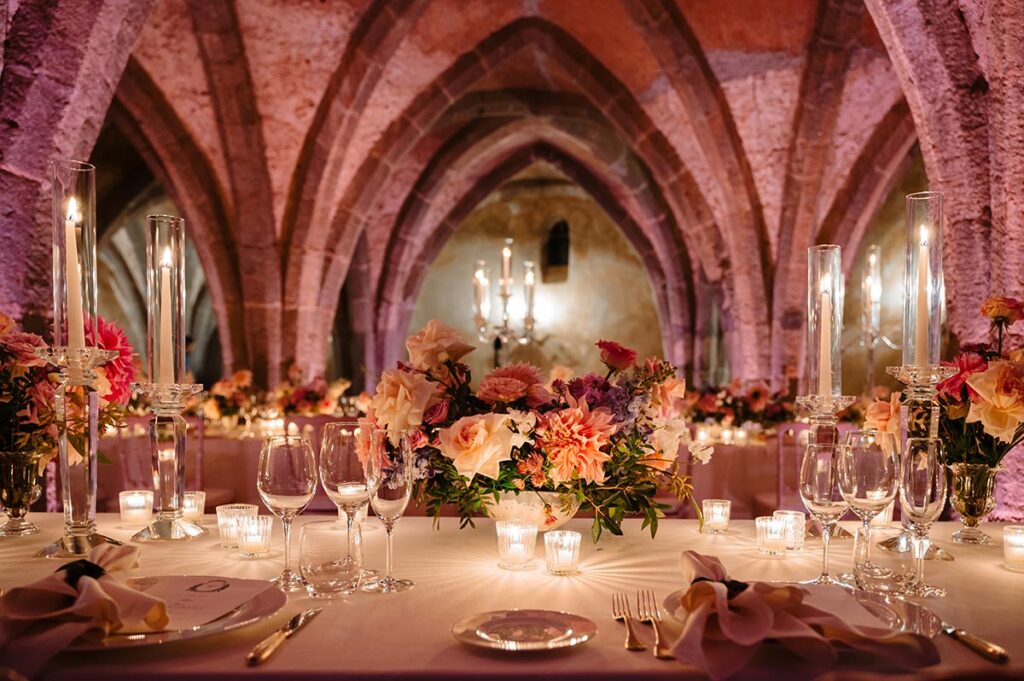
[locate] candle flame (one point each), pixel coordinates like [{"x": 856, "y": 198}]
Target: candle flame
[
  {"x": 165, "y": 259},
  {"x": 528, "y": 278},
  {"x": 506, "y": 251},
  {"x": 73, "y": 213},
  {"x": 924, "y": 235},
  {"x": 823, "y": 285}
]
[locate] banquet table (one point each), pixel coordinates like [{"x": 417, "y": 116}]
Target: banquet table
[{"x": 406, "y": 635}]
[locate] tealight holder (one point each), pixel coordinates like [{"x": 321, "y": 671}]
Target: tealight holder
[
  {"x": 517, "y": 541},
  {"x": 136, "y": 506},
  {"x": 194, "y": 506},
  {"x": 254, "y": 535},
  {"x": 562, "y": 550},
  {"x": 716, "y": 515},
  {"x": 771, "y": 536},
  {"x": 228, "y": 516},
  {"x": 1013, "y": 547},
  {"x": 796, "y": 528}
]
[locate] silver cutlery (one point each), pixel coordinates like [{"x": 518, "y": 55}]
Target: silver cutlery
[
  {"x": 648, "y": 611},
  {"x": 265, "y": 648},
  {"x": 621, "y": 611}
]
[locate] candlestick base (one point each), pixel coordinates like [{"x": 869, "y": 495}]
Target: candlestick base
[
  {"x": 921, "y": 376},
  {"x": 170, "y": 529},
  {"x": 75, "y": 545},
  {"x": 76, "y": 366},
  {"x": 824, "y": 405}
]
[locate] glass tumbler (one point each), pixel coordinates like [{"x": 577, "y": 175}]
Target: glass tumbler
[{"x": 330, "y": 558}]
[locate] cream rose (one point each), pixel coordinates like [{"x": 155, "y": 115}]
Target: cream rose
[
  {"x": 434, "y": 345},
  {"x": 402, "y": 398},
  {"x": 478, "y": 444},
  {"x": 1000, "y": 403}
]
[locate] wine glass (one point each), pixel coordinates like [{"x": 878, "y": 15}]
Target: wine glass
[
  {"x": 922, "y": 497},
  {"x": 819, "y": 490},
  {"x": 389, "y": 477},
  {"x": 869, "y": 474},
  {"x": 343, "y": 475},
  {"x": 286, "y": 480}
]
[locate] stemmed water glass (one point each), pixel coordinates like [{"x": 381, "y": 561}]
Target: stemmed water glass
[
  {"x": 389, "y": 477},
  {"x": 819, "y": 490},
  {"x": 343, "y": 475},
  {"x": 922, "y": 497},
  {"x": 286, "y": 480}
]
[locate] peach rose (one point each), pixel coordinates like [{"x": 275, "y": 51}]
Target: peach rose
[
  {"x": 615, "y": 356},
  {"x": 513, "y": 382},
  {"x": 401, "y": 399},
  {"x": 1000, "y": 403},
  {"x": 477, "y": 444},
  {"x": 884, "y": 416},
  {"x": 1003, "y": 310},
  {"x": 434, "y": 345},
  {"x": 573, "y": 439},
  {"x": 669, "y": 397}
]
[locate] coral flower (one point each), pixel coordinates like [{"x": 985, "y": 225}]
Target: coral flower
[
  {"x": 1003, "y": 310},
  {"x": 574, "y": 438},
  {"x": 120, "y": 371},
  {"x": 616, "y": 356},
  {"x": 513, "y": 382},
  {"x": 967, "y": 364}
]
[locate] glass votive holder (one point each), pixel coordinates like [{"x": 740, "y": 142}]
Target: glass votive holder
[
  {"x": 193, "y": 505},
  {"x": 796, "y": 528},
  {"x": 562, "y": 550},
  {"x": 517, "y": 540},
  {"x": 771, "y": 536},
  {"x": 136, "y": 506},
  {"x": 716, "y": 515},
  {"x": 254, "y": 535},
  {"x": 1013, "y": 547},
  {"x": 227, "y": 522}
]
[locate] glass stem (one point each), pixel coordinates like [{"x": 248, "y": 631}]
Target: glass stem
[
  {"x": 389, "y": 525},
  {"x": 350, "y": 518},
  {"x": 920, "y": 548},
  {"x": 867, "y": 540},
  {"x": 826, "y": 534},
  {"x": 287, "y": 522}
]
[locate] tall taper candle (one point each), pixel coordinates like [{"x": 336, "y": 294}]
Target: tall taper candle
[
  {"x": 73, "y": 277},
  {"x": 165, "y": 348},
  {"x": 923, "y": 318},
  {"x": 506, "y": 268},
  {"x": 825, "y": 349}
]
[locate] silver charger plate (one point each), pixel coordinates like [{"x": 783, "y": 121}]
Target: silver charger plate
[
  {"x": 524, "y": 630},
  {"x": 265, "y": 604}
]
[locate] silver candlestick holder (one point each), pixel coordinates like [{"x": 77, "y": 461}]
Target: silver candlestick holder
[
  {"x": 823, "y": 413},
  {"x": 167, "y": 442},
  {"x": 76, "y": 405}
]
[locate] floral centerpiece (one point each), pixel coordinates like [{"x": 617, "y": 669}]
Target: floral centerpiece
[
  {"x": 295, "y": 397},
  {"x": 608, "y": 443},
  {"x": 230, "y": 396},
  {"x": 740, "y": 403}
]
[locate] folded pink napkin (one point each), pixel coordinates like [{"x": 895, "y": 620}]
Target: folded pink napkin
[
  {"x": 726, "y": 624},
  {"x": 83, "y": 597}
]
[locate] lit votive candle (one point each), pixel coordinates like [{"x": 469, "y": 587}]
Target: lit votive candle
[
  {"x": 228, "y": 516},
  {"x": 352, "y": 494},
  {"x": 741, "y": 436},
  {"x": 254, "y": 535},
  {"x": 193, "y": 506},
  {"x": 1013, "y": 547},
  {"x": 727, "y": 436},
  {"x": 771, "y": 536},
  {"x": 796, "y": 528},
  {"x": 517, "y": 540},
  {"x": 136, "y": 506},
  {"x": 716, "y": 515},
  {"x": 562, "y": 549},
  {"x": 702, "y": 433}
]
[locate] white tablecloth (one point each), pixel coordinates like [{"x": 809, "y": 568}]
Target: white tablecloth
[{"x": 370, "y": 636}]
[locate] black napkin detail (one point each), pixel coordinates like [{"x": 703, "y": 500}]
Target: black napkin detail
[
  {"x": 81, "y": 568},
  {"x": 733, "y": 587}
]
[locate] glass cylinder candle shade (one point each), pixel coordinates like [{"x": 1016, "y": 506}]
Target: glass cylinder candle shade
[
  {"x": 1013, "y": 547},
  {"x": 228, "y": 516},
  {"x": 482, "y": 294},
  {"x": 796, "y": 528},
  {"x": 254, "y": 535},
  {"x": 923, "y": 283},
  {"x": 562, "y": 550},
  {"x": 165, "y": 278},
  {"x": 136, "y": 506},
  {"x": 771, "y": 536},
  {"x": 871, "y": 293},
  {"x": 193, "y": 506},
  {"x": 517, "y": 541},
  {"x": 824, "y": 320},
  {"x": 74, "y": 254},
  {"x": 716, "y": 515}
]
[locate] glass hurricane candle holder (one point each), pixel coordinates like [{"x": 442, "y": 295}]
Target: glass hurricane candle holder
[
  {"x": 824, "y": 320},
  {"x": 254, "y": 535},
  {"x": 771, "y": 536},
  {"x": 923, "y": 281},
  {"x": 1013, "y": 547},
  {"x": 228, "y": 516},
  {"x": 716, "y": 515},
  {"x": 136, "y": 506},
  {"x": 517, "y": 541},
  {"x": 193, "y": 506},
  {"x": 562, "y": 549},
  {"x": 796, "y": 528}
]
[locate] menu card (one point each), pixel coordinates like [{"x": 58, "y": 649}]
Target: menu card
[{"x": 195, "y": 601}]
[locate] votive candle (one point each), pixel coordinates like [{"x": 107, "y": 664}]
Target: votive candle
[
  {"x": 562, "y": 549},
  {"x": 193, "y": 506},
  {"x": 796, "y": 528},
  {"x": 228, "y": 516},
  {"x": 517, "y": 541},
  {"x": 771, "y": 536},
  {"x": 136, "y": 506},
  {"x": 254, "y": 535},
  {"x": 716, "y": 515},
  {"x": 1013, "y": 547}
]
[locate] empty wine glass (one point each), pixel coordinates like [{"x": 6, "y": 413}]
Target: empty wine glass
[
  {"x": 389, "y": 477},
  {"x": 819, "y": 490},
  {"x": 922, "y": 497},
  {"x": 869, "y": 476},
  {"x": 286, "y": 480},
  {"x": 343, "y": 475}
]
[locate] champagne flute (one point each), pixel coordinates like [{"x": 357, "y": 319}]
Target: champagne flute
[
  {"x": 922, "y": 497},
  {"x": 343, "y": 475},
  {"x": 286, "y": 480},
  {"x": 819, "y": 490},
  {"x": 389, "y": 477}
]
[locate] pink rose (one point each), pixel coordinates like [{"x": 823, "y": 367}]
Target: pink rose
[
  {"x": 402, "y": 398},
  {"x": 23, "y": 347},
  {"x": 434, "y": 345},
  {"x": 477, "y": 444},
  {"x": 573, "y": 439},
  {"x": 436, "y": 414},
  {"x": 615, "y": 356},
  {"x": 513, "y": 382}
]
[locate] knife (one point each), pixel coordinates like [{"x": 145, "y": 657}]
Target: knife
[
  {"x": 265, "y": 648},
  {"x": 988, "y": 650}
]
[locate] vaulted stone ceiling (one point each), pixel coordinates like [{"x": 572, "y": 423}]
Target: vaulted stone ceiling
[{"x": 315, "y": 144}]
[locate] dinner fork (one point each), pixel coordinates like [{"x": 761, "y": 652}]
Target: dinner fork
[
  {"x": 648, "y": 611},
  {"x": 620, "y": 611}
]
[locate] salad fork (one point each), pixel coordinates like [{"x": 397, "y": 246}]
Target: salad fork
[
  {"x": 648, "y": 611},
  {"x": 621, "y": 611}
]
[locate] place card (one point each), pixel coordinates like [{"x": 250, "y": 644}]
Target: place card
[{"x": 195, "y": 601}]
